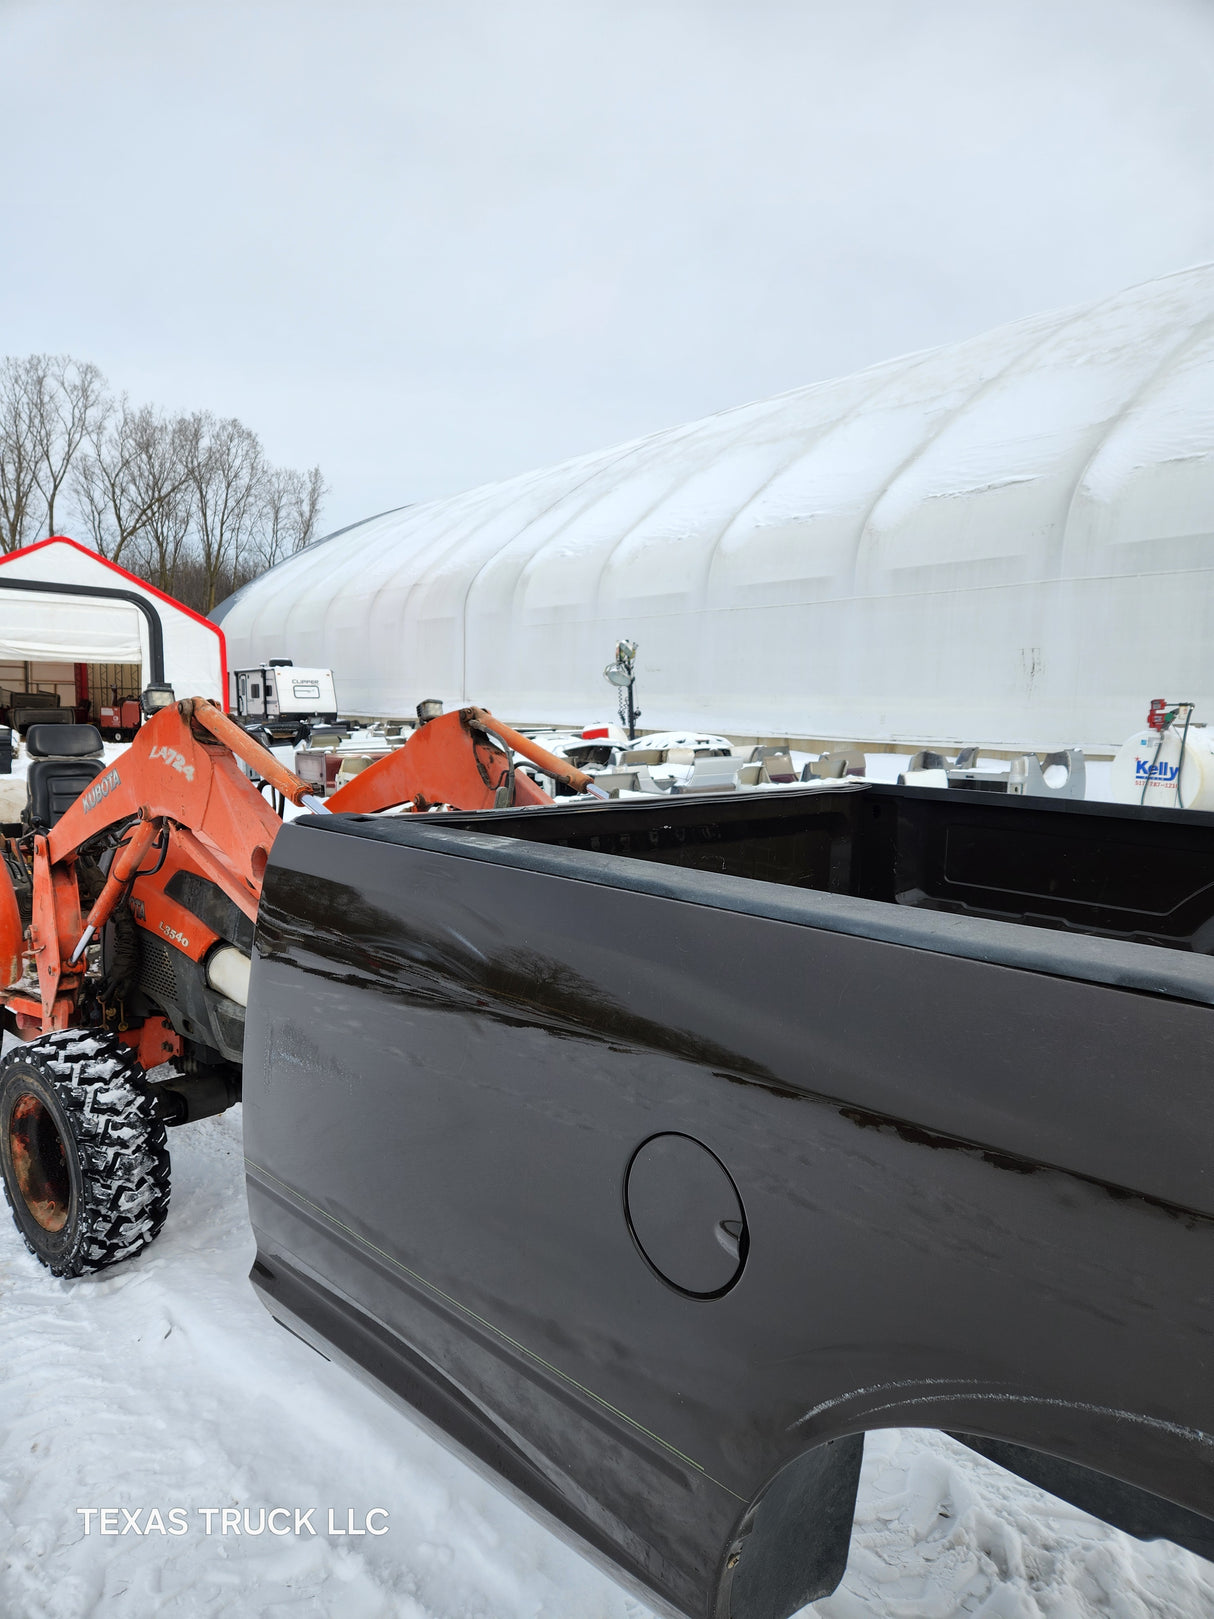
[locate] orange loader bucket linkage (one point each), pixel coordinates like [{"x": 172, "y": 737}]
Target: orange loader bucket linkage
[{"x": 180, "y": 792}]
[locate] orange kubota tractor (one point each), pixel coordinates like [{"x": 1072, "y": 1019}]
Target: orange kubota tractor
[{"x": 128, "y": 902}]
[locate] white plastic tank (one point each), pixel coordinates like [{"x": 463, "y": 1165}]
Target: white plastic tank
[{"x": 1166, "y": 769}]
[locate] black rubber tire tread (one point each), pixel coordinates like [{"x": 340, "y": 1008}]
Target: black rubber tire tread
[{"x": 119, "y": 1143}]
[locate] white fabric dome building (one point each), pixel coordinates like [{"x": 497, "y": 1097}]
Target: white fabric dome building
[{"x": 1008, "y": 540}]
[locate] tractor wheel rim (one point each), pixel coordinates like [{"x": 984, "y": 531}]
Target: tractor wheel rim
[{"x": 40, "y": 1164}]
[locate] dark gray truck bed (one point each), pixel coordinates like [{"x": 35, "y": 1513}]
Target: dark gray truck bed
[{"x": 653, "y": 1152}]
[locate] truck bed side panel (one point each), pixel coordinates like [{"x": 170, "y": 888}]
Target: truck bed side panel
[{"x": 975, "y": 1196}]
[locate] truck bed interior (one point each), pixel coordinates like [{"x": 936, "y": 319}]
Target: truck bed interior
[{"x": 1119, "y": 872}]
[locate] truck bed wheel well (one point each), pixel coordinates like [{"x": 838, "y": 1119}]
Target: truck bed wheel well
[{"x": 1136, "y": 1512}]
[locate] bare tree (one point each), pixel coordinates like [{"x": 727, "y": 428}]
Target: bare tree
[
  {"x": 187, "y": 502},
  {"x": 20, "y": 504},
  {"x": 130, "y": 482},
  {"x": 107, "y": 483},
  {"x": 68, "y": 400},
  {"x": 291, "y": 503},
  {"x": 227, "y": 474},
  {"x": 165, "y": 540}
]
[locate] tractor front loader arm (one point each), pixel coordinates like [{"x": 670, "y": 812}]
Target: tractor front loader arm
[
  {"x": 452, "y": 760},
  {"x": 178, "y": 780},
  {"x": 178, "y": 785},
  {"x": 180, "y": 768},
  {"x": 54, "y": 926}
]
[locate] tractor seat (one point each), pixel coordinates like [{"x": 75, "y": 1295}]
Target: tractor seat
[{"x": 63, "y": 760}]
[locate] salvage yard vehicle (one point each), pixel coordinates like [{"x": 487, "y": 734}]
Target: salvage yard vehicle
[{"x": 654, "y": 1151}]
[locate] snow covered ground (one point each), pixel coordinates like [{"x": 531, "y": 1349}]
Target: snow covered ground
[{"x": 164, "y": 1384}]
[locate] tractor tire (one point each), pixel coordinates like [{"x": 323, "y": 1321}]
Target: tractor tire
[{"x": 82, "y": 1151}]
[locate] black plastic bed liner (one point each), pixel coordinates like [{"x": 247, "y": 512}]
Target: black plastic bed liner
[{"x": 1112, "y": 870}]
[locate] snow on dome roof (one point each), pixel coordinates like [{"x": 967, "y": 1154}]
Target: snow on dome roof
[{"x": 1007, "y": 539}]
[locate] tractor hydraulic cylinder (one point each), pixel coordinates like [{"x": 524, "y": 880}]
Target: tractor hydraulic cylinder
[{"x": 123, "y": 867}]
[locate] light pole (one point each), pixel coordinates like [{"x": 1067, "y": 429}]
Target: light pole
[{"x": 622, "y": 674}]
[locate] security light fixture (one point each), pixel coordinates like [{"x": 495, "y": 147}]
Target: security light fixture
[{"x": 156, "y": 696}]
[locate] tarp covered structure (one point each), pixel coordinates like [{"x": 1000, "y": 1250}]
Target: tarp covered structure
[
  {"x": 1010, "y": 539},
  {"x": 61, "y": 601}
]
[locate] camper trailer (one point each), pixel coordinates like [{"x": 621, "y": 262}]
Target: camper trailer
[{"x": 281, "y": 698}]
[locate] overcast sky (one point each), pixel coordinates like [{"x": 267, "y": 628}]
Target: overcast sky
[{"x": 431, "y": 243}]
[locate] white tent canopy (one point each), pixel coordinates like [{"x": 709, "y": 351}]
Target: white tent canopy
[
  {"x": 63, "y": 628},
  {"x": 61, "y": 602},
  {"x": 1007, "y": 540}
]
